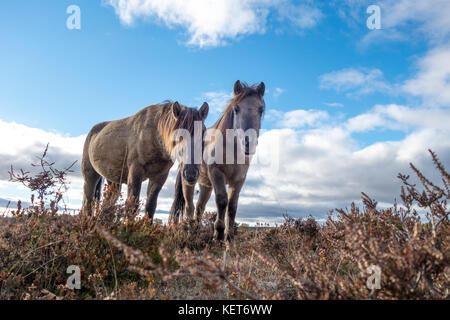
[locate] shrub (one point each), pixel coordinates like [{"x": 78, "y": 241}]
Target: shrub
[{"x": 124, "y": 256}]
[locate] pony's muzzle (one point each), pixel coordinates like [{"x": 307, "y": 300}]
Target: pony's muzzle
[
  {"x": 249, "y": 145},
  {"x": 191, "y": 174}
]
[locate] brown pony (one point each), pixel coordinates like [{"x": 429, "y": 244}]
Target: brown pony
[
  {"x": 229, "y": 145},
  {"x": 137, "y": 148}
]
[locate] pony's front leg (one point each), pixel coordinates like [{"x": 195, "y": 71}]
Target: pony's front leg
[
  {"x": 205, "y": 194},
  {"x": 154, "y": 187},
  {"x": 188, "y": 193},
  {"x": 233, "y": 197},
  {"x": 88, "y": 194},
  {"x": 134, "y": 182},
  {"x": 218, "y": 182}
]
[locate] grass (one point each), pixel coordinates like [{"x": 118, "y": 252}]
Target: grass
[{"x": 123, "y": 256}]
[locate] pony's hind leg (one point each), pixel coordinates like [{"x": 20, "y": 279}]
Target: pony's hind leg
[
  {"x": 134, "y": 184},
  {"x": 178, "y": 203},
  {"x": 205, "y": 194},
  {"x": 91, "y": 180},
  {"x": 113, "y": 192},
  {"x": 154, "y": 187}
]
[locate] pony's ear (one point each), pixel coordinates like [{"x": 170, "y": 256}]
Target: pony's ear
[
  {"x": 261, "y": 89},
  {"x": 237, "y": 88},
  {"x": 176, "y": 109},
  {"x": 204, "y": 109}
]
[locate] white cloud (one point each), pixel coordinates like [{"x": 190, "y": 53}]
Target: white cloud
[
  {"x": 356, "y": 81},
  {"x": 211, "y": 23},
  {"x": 435, "y": 118},
  {"x": 401, "y": 20},
  {"x": 20, "y": 137},
  {"x": 304, "y": 15},
  {"x": 324, "y": 167},
  {"x": 365, "y": 122},
  {"x": 300, "y": 118},
  {"x": 217, "y": 100},
  {"x": 432, "y": 81},
  {"x": 427, "y": 17},
  {"x": 319, "y": 168},
  {"x": 278, "y": 92},
  {"x": 208, "y": 23},
  {"x": 23, "y": 144},
  {"x": 397, "y": 117}
]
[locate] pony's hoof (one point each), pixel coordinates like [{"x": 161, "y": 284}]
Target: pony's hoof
[
  {"x": 150, "y": 220},
  {"x": 229, "y": 237},
  {"x": 219, "y": 235}
]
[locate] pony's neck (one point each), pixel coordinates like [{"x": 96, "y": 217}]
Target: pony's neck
[
  {"x": 166, "y": 125},
  {"x": 226, "y": 121}
]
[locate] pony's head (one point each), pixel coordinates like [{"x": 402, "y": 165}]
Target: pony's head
[
  {"x": 184, "y": 139},
  {"x": 247, "y": 107}
]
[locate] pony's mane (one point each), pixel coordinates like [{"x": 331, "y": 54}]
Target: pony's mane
[
  {"x": 167, "y": 123},
  {"x": 226, "y": 119}
]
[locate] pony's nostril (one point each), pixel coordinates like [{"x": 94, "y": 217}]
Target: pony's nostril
[{"x": 191, "y": 175}]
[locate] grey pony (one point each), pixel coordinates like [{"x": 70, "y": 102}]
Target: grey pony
[
  {"x": 244, "y": 112},
  {"x": 137, "y": 148}
]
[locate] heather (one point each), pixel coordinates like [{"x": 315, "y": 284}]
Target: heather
[{"x": 122, "y": 255}]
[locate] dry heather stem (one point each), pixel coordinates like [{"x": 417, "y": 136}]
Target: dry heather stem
[{"x": 122, "y": 256}]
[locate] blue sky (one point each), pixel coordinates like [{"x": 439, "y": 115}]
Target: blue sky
[
  {"x": 318, "y": 57},
  {"x": 108, "y": 69}
]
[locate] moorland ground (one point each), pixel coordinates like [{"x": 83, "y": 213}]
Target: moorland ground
[{"x": 123, "y": 256}]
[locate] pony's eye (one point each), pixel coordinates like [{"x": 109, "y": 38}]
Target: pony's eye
[{"x": 237, "y": 108}]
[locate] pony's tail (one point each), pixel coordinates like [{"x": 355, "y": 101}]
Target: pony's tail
[
  {"x": 98, "y": 189},
  {"x": 178, "y": 202}
]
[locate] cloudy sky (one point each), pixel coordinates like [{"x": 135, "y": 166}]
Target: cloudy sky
[{"x": 347, "y": 107}]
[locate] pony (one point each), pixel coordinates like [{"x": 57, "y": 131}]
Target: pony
[
  {"x": 143, "y": 146},
  {"x": 225, "y": 161}
]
